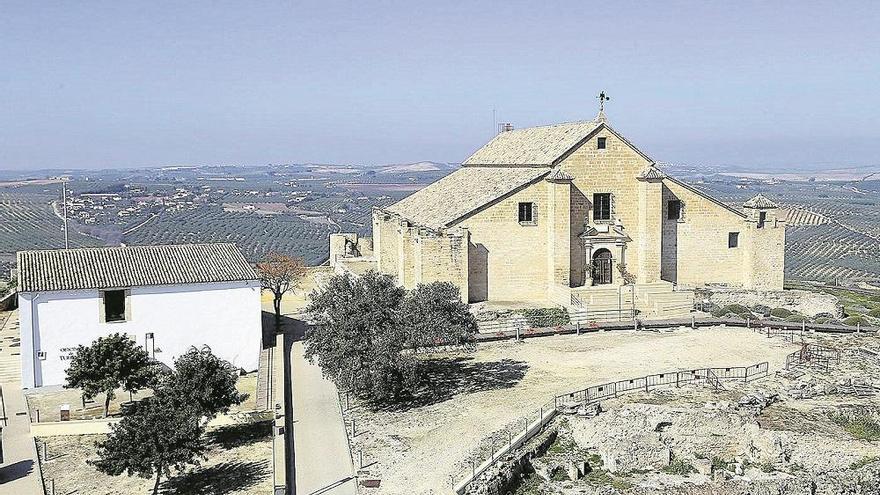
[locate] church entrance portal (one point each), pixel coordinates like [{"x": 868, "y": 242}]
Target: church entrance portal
[{"x": 602, "y": 267}]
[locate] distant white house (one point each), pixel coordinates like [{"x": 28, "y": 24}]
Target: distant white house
[{"x": 167, "y": 298}]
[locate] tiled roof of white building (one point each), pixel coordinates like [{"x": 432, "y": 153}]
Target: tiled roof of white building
[
  {"x": 533, "y": 146},
  {"x": 130, "y": 266},
  {"x": 462, "y": 192}
]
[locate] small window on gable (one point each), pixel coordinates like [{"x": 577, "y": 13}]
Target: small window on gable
[
  {"x": 600, "y": 143},
  {"x": 673, "y": 209},
  {"x": 602, "y": 206},
  {"x": 733, "y": 240},
  {"x": 527, "y": 213},
  {"x": 114, "y": 305},
  {"x": 762, "y": 219}
]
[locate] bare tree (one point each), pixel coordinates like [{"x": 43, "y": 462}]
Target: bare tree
[{"x": 280, "y": 274}]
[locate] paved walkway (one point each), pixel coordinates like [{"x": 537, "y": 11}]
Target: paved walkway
[
  {"x": 19, "y": 471},
  {"x": 323, "y": 463}
]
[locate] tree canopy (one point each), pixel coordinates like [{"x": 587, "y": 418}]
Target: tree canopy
[
  {"x": 365, "y": 326},
  {"x": 203, "y": 382},
  {"x": 154, "y": 436},
  {"x": 107, "y": 364}
]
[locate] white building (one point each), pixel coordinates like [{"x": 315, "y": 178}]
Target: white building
[{"x": 167, "y": 298}]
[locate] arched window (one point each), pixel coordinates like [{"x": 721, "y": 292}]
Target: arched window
[{"x": 602, "y": 273}]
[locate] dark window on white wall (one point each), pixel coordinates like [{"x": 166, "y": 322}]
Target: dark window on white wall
[
  {"x": 762, "y": 219},
  {"x": 114, "y": 305},
  {"x": 673, "y": 209},
  {"x": 602, "y": 206},
  {"x": 600, "y": 143},
  {"x": 526, "y": 212},
  {"x": 733, "y": 239}
]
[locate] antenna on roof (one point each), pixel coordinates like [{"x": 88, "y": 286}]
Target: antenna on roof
[{"x": 64, "y": 210}]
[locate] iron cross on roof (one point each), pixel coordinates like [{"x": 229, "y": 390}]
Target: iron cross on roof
[{"x": 602, "y": 99}]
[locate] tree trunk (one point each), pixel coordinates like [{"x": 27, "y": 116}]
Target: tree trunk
[
  {"x": 277, "y": 303},
  {"x": 158, "y": 477},
  {"x": 107, "y": 404}
]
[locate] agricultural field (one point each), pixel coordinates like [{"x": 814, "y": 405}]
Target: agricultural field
[
  {"x": 28, "y": 222},
  {"x": 833, "y": 226}
]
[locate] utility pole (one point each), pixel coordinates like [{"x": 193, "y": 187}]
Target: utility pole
[{"x": 64, "y": 210}]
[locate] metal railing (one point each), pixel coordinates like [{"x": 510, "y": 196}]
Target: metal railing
[
  {"x": 502, "y": 441},
  {"x": 608, "y": 390},
  {"x": 813, "y": 355}
]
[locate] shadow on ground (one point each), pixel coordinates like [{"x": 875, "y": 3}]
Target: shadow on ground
[
  {"x": 15, "y": 471},
  {"x": 221, "y": 479},
  {"x": 237, "y": 435},
  {"x": 444, "y": 378}
]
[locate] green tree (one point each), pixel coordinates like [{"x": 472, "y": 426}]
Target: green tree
[
  {"x": 203, "y": 382},
  {"x": 107, "y": 364},
  {"x": 154, "y": 436},
  {"x": 365, "y": 326}
]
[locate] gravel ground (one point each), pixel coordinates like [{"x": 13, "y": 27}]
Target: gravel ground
[
  {"x": 471, "y": 395},
  {"x": 239, "y": 463}
]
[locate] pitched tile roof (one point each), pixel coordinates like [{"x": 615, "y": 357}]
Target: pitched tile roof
[
  {"x": 462, "y": 192},
  {"x": 130, "y": 266},
  {"x": 533, "y": 145},
  {"x": 759, "y": 202}
]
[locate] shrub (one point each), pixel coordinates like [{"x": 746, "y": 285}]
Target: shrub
[
  {"x": 780, "y": 313},
  {"x": 718, "y": 463},
  {"x": 546, "y": 317},
  {"x": 796, "y": 318},
  {"x": 860, "y": 425},
  {"x": 822, "y": 320},
  {"x": 679, "y": 467},
  {"x": 855, "y": 320},
  {"x": 874, "y": 313},
  {"x": 737, "y": 309},
  {"x": 719, "y": 312}
]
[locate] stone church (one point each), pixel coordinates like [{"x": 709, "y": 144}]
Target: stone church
[{"x": 564, "y": 214}]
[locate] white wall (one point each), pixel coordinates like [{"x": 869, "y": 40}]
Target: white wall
[{"x": 225, "y": 316}]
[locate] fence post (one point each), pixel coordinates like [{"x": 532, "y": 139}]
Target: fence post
[
  {"x": 578, "y": 327},
  {"x": 748, "y": 322},
  {"x": 858, "y": 327},
  {"x": 517, "y": 333},
  {"x": 693, "y": 322},
  {"x": 803, "y": 325}
]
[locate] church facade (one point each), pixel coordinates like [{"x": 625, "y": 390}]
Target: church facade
[{"x": 552, "y": 213}]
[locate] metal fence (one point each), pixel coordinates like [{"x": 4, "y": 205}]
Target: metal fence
[
  {"x": 813, "y": 355},
  {"x": 712, "y": 376},
  {"x": 511, "y": 436}
]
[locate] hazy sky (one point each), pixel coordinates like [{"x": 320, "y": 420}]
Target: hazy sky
[{"x": 132, "y": 83}]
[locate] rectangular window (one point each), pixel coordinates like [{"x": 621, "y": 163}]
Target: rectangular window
[
  {"x": 762, "y": 219},
  {"x": 673, "y": 209},
  {"x": 600, "y": 143},
  {"x": 526, "y": 212},
  {"x": 602, "y": 206},
  {"x": 114, "y": 305},
  {"x": 733, "y": 239}
]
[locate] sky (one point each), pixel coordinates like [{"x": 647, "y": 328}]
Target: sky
[{"x": 90, "y": 84}]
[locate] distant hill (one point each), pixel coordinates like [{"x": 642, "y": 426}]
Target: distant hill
[{"x": 415, "y": 167}]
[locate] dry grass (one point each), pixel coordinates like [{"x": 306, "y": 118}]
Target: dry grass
[{"x": 239, "y": 463}]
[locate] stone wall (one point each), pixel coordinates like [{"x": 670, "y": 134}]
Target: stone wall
[
  {"x": 612, "y": 170},
  {"x": 509, "y": 260}
]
